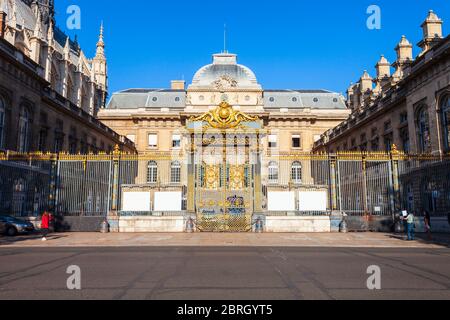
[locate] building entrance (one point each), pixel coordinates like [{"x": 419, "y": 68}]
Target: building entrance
[{"x": 225, "y": 169}]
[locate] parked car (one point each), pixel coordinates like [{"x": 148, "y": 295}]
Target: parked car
[{"x": 11, "y": 226}]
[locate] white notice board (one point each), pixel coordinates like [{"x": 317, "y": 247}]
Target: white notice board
[
  {"x": 136, "y": 201},
  {"x": 313, "y": 200},
  {"x": 281, "y": 201},
  {"x": 168, "y": 201}
]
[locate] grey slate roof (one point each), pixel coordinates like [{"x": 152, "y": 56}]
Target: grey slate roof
[
  {"x": 314, "y": 99},
  {"x": 273, "y": 99},
  {"x": 148, "y": 98}
]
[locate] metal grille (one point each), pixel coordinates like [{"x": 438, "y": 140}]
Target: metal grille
[{"x": 356, "y": 183}]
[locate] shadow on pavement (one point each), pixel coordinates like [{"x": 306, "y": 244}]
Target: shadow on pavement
[
  {"x": 440, "y": 239},
  {"x": 5, "y": 241}
]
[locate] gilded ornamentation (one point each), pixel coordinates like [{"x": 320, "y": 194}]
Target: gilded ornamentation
[
  {"x": 224, "y": 117},
  {"x": 237, "y": 177},
  {"x": 212, "y": 176}
]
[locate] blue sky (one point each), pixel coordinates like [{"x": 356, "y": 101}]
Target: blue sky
[{"x": 288, "y": 44}]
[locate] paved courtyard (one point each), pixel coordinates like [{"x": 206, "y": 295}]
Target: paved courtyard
[
  {"x": 232, "y": 273},
  {"x": 205, "y": 266},
  {"x": 363, "y": 240}
]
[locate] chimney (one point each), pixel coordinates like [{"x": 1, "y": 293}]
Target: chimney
[
  {"x": 366, "y": 83},
  {"x": 432, "y": 31},
  {"x": 404, "y": 59},
  {"x": 383, "y": 68},
  {"x": 178, "y": 85}
]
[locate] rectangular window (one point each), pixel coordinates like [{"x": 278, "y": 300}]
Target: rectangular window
[
  {"x": 175, "y": 172},
  {"x": 273, "y": 141},
  {"x": 404, "y": 136},
  {"x": 42, "y": 143},
  {"x": 403, "y": 117},
  {"x": 153, "y": 140},
  {"x": 176, "y": 141},
  {"x": 296, "y": 141},
  {"x": 73, "y": 146},
  {"x": 388, "y": 141},
  {"x": 363, "y": 138},
  {"x": 387, "y": 126},
  {"x": 374, "y": 132}
]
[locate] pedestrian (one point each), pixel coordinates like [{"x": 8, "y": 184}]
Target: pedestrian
[
  {"x": 427, "y": 221},
  {"x": 45, "y": 224},
  {"x": 410, "y": 226}
]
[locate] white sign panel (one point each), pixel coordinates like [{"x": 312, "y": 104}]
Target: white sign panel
[
  {"x": 168, "y": 201},
  {"x": 136, "y": 201},
  {"x": 281, "y": 201},
  {"x": 313, "y": 200}
]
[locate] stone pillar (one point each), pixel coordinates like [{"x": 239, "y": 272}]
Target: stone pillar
[
  {"x": 258, "y": 184},
  {"x": 333, "y": 184},
  {"x": 113, "y": 214},
  {"x": 364, "y": 173},
  {"x": 115, "y": 181},
  {"x": 53, "y": 192},
  {"x": 191, "y": 183},
  {"x": 395, "y": 158}
]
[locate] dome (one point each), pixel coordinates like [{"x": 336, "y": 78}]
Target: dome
[{"x": 225, "y": 73}]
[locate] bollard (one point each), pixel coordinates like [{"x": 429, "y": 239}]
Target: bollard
[
  {"x": 190, "y": 225},
  {"x": 343, "y": 226},
  {"x": 259, "y": 226},
  {"x": 104, "y": 227}
]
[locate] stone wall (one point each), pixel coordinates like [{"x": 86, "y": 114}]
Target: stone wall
[
  {"x": 297, "y": 224},
  {"x": 152, "y": 224}
]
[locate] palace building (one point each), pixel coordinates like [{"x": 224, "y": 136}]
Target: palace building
[{"x": 224, "y": 121}]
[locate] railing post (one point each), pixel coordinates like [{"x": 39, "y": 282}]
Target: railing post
[
  {"x": 54, "y": 163},
  {"x": 333, "y": 183},
  {"x": 115, "y": 180},
  {"x": 365, "y": 191},
  {"x": 191, "y": 181},
  {"x": 395, "y": 158}
]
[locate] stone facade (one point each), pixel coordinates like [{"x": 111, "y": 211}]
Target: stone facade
[
  {"x": 409, "y": 108},
  {"x": 50, "y": 93}
]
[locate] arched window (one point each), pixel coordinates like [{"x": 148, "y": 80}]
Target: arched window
[
  {"x": 296, "y": 172},
  {"x": 152, "y": 172},
  {"x": 423, "y": 127},
  {"x": 273, "y": 172},
  {"x": 445, "y": 116},
  {"x": 2, "y": 122},
  {"x": 175, "y": 172},
  {"x": 24, "y": 129}
]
